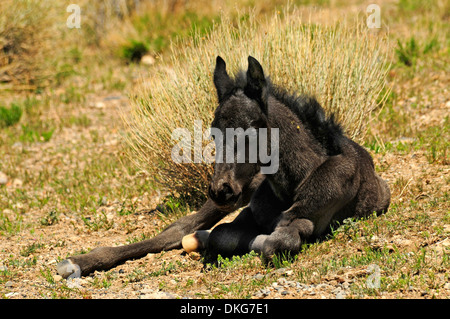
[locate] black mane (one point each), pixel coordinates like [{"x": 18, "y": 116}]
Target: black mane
[{"x": 326, "y": 130}]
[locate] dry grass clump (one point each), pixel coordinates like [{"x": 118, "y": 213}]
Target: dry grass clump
[
  {"x": 342, "y": 66},
  {"x": 26, "y": 29}
]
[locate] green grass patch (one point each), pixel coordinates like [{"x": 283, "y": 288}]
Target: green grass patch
[
  {"x": 409, "y": 51},
  {"x": 10, "y": 116}
]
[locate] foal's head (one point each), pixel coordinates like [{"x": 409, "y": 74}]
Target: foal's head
[{"x": 240, "y": 130}]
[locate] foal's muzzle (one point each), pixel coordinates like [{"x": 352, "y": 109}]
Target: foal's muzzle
[{"x": 223, "y": 194}]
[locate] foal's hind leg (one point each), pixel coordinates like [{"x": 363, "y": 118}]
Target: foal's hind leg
[{"x": 233, "y": 238}]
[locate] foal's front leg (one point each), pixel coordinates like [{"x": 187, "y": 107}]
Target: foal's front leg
[
  {"x": 284, "y": 239},
  {"x": 319, "y": 197}
]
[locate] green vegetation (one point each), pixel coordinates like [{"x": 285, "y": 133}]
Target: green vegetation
[
  {"x": 10, "y": 116},
  {"x": 410, "y": 51},
  {"x": 342, "y": 65}
]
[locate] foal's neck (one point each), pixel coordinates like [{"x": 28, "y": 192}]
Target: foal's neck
[{"x": 299, "y": 152}]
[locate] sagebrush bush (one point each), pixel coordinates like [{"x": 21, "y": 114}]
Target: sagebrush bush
[
  {"x": 25, "y": 31},
  {"x": 342, "y": 66}
]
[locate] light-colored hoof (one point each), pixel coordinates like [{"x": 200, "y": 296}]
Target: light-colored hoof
[
  {"x": 67, "y": 269},
  {"x": 196, "y": 241},
  {"x": 257, "y": 244}
]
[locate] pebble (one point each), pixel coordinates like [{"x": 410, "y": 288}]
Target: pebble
[
  {"x": 17, "y": 183},
  {"x": 17, "y": 146},
  {"x": 147, "y": 59},
  {"x": 3, "y": 178},
  {"x": 258, "y": 277},
  {"x": 113, "y": 97},
  {"x": 157, "y": 295},
  {"x": 99, "y": 105},
  {"x": 340, "y": 295},
  {"x": 282, "y": 281},
  {"x": 262, "y": 293}
]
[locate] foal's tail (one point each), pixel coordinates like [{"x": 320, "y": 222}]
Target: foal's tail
[{"x": 384, "y": 196}]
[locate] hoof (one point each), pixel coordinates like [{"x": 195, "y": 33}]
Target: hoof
[
  {"x": 67, "y": 269},
  {"x": 196, "y": 241},
  {"x": 257, "y": 244}
]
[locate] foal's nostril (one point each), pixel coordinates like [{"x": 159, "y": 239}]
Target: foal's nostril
[
  {"x": 226, "y": 189},
  {"x": 221, "y": 195}
]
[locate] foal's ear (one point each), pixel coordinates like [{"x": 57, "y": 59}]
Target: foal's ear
[
  {"x": 256, "y": 87},
  {"x": 222, "y": 81}
]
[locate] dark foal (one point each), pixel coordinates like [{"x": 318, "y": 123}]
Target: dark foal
[
  {"x": 323, "y": 176},
  {"x": 318, "y": 178}
]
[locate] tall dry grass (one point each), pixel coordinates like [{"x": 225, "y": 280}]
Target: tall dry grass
[
  {"x": 342, "y": 66},
  {"x": 35, "y": 42},
  {"x": 24, "y": 35}
]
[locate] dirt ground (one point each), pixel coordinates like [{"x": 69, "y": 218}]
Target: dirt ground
[{"x": 29, "y": 257}]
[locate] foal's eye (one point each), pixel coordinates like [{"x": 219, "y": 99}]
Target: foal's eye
[{"x": 256, "y": 124}]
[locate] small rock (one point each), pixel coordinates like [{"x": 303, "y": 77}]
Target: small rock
[
  {"x": 17, "y": 183},
  {"x": 99, "y": 105},
  {"x": 7, "y": 211},
  {"x": 57, "y": 278},
  {"x": 258, "y": 277},
  {"x": 291, "y": 284},
  {"x": 447, "y": 286},
  {"x": 3, "y": 178},
  {"x": 195, "y": 255},
  {"x": 146, "y": 291},
  {"x": 262, "y": 293},
  {"x": 17, "y": 146},
  {"x": 258, "y": 295},
  {"x": 147, "y": 59},
  {"x": 113, "y": 97},
  {"x": 158, "y": 295},
  {"x": 340, "y": 295},
  {"x": 281, "y": 271},
  {"x": 300, "y": 286},
  {"x": 9, "y": 284}
]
